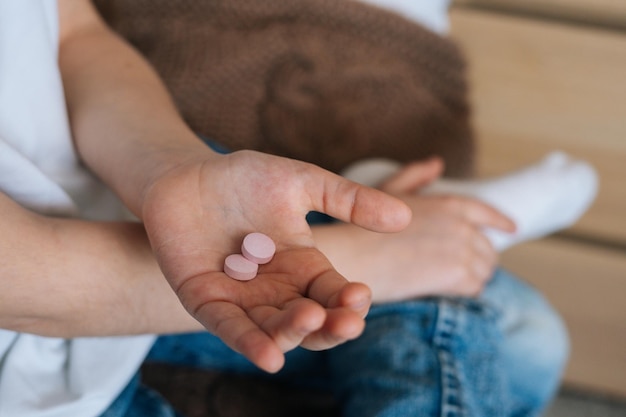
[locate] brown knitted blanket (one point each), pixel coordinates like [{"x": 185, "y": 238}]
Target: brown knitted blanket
[{"x": 325, "y": 81}]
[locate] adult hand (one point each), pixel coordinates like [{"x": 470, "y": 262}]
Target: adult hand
[{"x": 197, "y": 206}]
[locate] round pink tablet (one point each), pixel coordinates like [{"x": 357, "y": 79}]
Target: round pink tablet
[
  {"x": 258, "y": 248},
  {"x": 239, "y": 268}
]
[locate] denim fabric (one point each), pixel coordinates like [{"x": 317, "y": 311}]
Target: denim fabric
[
  {"x": 139, "y": 401},
  {"x": 499, "y": 355},
  {"x": 535, "y": 344},
  {"x": 436, "y": 357}
]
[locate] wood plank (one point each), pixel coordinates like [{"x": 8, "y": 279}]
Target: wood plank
[
  {"x": 588, "y": 286},
  {"x": 603, "y": 12},
  {"x": 606, "y": 219},
  {"x": 538, "y": 87}
]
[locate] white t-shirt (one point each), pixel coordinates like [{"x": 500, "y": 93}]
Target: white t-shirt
[
  {"x": 433, "y": 14},
  {"x": 39, "y": 169}
]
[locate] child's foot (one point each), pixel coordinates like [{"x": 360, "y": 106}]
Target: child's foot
[{"x": 542, "y": 198}]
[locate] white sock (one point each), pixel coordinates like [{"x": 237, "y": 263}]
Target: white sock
[{"x": 541, "y": 198}]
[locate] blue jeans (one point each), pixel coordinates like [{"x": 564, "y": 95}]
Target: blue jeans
[{"x": 499, "y": 355}]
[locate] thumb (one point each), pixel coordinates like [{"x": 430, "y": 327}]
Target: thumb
[
  {"x": 414, "y": 176},
  {"x": 353, "y": 203}
]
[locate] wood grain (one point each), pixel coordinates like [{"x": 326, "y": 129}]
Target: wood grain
[
  {"x": 601, "y": 12},
  {"x": 539, "y": 87},
  {"x": 588, "y": 286}
]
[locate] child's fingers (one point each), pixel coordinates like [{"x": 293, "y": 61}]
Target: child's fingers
[
  {"x": 331, "y": 290},
  {"x": 325, "y": 285},
  {"x": 290, "y": 325},
  {"x": 354, "y": 203},
  {"x": 345, "y": 304},
  {"x": 342, "y": 325},
  {"x": 233, "y": 326}
]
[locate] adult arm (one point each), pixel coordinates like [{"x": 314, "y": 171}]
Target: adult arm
[{"x": 70, "y": 278}]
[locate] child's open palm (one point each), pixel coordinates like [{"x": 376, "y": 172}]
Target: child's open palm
[{"x": 198, "y": 213}]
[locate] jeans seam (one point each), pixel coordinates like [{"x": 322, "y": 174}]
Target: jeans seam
[{"x": 451, "y": 388}]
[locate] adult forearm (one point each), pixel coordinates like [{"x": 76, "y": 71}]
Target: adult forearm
[
  {"x": 124, "y": 123},
  {"x": 67, "y": 278}
]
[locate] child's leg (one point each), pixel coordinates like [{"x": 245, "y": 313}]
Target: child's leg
[
  {"x": 535, "y": 346},
  {"x": 434, "y": 357},
  {"x": 502, "y": 354},
  {"x": 542, "y": 198}
]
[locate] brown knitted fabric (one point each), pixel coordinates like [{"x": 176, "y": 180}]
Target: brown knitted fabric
[{"x": 325, "y": 81}]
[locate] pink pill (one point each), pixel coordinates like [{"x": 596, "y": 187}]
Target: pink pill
[
  {"x": 239, "y": 268},
  {"x": 258, "y": 248}
]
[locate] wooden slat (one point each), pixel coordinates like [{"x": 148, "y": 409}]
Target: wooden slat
[
  {"x": 538, "y": 87},
  {"x": 602, "y": 12},
  {"x": 588, "y": 286}
]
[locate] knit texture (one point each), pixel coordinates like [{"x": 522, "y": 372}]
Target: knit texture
[{"x": 324, "y": 81}]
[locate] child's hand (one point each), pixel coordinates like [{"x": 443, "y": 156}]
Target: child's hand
[{"x": 199, "y": 212}]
